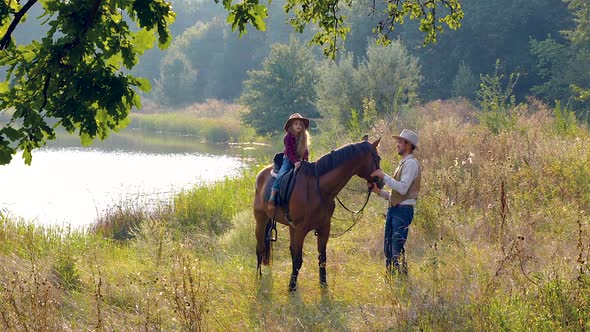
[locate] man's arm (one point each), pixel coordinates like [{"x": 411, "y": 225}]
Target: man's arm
[{"x": 408, "y": 175}]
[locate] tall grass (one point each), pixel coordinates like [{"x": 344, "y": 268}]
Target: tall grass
[
  {"x": 211, "y": 208},
  {"x": 213, "y": 121},
  {"x": 500, "y": 241}
]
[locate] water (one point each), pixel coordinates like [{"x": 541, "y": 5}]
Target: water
[{"x": 70, "y": 185}]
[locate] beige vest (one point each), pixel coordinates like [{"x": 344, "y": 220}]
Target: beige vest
[{"x": 395, "y": 198}]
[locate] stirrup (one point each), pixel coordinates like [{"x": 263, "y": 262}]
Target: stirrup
[{"x": 271, "y": 235}]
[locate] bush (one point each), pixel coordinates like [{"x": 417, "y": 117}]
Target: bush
[
  {"x": 565, "y": 123},
  {"x": 120, "y": 222},
  {"x": 497, "y": 100}
]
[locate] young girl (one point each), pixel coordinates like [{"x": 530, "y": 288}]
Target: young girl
[{"x": 296, "y": 149}]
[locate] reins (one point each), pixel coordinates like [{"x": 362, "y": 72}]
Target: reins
[
  {"x": 356, "y": 214},
  {"x": 359, "y": 211}
]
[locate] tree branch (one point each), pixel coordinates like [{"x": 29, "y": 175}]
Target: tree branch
[
  {"x": 93, "y": 13},
  {"x": 5, "y": 41}
]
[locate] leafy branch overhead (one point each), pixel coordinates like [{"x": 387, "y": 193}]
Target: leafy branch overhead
[
  {"x": 432, "y": 14},
  {"x": 75, "y": 76}
]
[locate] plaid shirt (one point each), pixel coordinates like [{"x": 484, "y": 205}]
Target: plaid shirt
[{"x": 291, "y": 149}]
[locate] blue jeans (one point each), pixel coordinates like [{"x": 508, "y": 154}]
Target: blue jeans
[
  {"x": 285, "y": 167},
  {"x": 397, "y": 224}
]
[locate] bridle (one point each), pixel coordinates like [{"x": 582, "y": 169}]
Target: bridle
[{"x": 376, "y": 180}]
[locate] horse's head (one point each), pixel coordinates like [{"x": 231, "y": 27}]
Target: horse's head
[{"x": 371, "y": 163}]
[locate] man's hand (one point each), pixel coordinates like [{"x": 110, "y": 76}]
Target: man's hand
[
  {"x": 378, "y": 173},
  {"x": 374, "y": 187},
  {"x": 297, "y": 164}
]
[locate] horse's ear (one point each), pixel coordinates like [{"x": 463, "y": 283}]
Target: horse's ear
[
  {"x": 366, "y": 138},
  {"x": 376, "y": 143}
]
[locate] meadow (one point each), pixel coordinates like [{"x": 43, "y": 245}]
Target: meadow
[{"x": 500, "y": 241}]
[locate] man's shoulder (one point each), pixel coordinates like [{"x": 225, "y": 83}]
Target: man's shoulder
[{"x": 412, "y": 162}]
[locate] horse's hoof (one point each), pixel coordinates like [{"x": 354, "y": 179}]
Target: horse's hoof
[
  {"x": 292, "y": 288},
  {"x": 323, "y": 284}
]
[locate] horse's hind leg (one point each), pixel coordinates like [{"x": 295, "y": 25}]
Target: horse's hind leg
[{"x": 323, "y": 236}]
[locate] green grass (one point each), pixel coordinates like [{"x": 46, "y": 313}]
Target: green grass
[
  {"x": 208, "y": 129},
  {"x": 474, "y": 264},
  {"x": 212, "y": 121}
]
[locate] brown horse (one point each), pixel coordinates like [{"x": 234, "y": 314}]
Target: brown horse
[{"x": 312, "y": 202}]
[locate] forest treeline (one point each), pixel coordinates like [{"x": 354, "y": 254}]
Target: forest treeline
[{"x": 543, "y": 43}]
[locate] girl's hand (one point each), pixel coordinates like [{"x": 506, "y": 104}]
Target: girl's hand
[{"x": 297, "y": 164}]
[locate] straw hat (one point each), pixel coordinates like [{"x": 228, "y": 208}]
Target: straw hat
[
  {"x": 409, "y": 136},
  {"x": 296, "y": 116}
]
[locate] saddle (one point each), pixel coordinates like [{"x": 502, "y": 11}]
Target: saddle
[{"x": 286, "y": 185}]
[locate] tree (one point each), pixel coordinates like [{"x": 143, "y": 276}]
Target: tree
[
  {"x": 332, "y": 23},
  {"x": 177, "y": 80},
  {"x": 284, "y": 85},
  {"x": 75, "y": 76},
  {"x": 564, "y": 66},
  {"x": 341, "y": 89},
  {"x": 219, "y": 58},
  {"x": 465, "y": 83},
  {"x": 387, "y": 75},
  {"x": 392, "y": 76}
]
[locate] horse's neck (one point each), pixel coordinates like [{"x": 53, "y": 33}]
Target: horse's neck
[{"x": 332, "y": 182}]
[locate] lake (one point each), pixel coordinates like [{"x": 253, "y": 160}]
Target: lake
[{"x": 71, "y": 185}]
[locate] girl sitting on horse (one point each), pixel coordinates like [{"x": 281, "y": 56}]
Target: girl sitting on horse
[{"x": 296, "y": 149}]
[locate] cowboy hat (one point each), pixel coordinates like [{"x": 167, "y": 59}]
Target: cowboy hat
[
  {"x": 409, "y": 136},
  {"x": 296, "y": 116}
]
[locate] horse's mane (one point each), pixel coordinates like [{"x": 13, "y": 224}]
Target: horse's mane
[{"x": 334, "y": 159}]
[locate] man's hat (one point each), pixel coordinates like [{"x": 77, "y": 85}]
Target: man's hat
[
  {"x": 409, "y": 136},
  {"x": 296, "y": 116}
]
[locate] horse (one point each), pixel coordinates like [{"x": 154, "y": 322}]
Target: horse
[{"x": 311, "y": 205}]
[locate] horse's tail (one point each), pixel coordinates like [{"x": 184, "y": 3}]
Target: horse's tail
[{"x": 264, "y": 225}]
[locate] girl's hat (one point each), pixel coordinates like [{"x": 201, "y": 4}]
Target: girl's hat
[{"x": 296, "y": 116}]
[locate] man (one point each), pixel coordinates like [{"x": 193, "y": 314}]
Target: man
[{"x": 405, "y": 185}]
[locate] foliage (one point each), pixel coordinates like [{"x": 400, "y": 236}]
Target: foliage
[
  {"x": 564, "y": 65},
  {"x": 388, "y": 76},
  {"x": 332, "y": 23},
  {"x": 358, "y": 126},
  {"x": 341, "y": 88},
  {"x": 490, "y": 30},
  {"x": 565, "y": 121},
  {"x": 214, "y": 64},
  {"x": 217, "y": 130},
  {"x": 496, "y": 99},
  {"x": 284, "y": 85},
  {"x": 391, "y": 73},
  {"x": 177, "y": 80},
  {"x": 74, "y": 77},
  {"x": 211, "y": 208},
  {"x": 465, "y": 83}
]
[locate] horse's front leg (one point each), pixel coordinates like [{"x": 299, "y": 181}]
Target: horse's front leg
[
  {"x": 323, "y": 236},
  {"x": 296, "y": 247}
]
